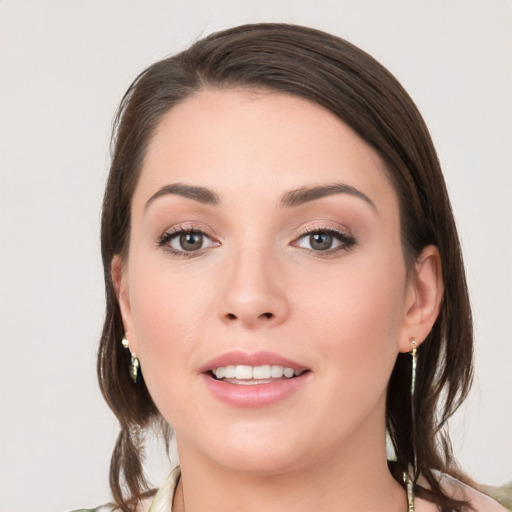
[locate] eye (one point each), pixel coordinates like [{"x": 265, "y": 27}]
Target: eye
[
  {"x": 324, "y": 240},
  {"x": 321, "y": 241},
  {"x": 185, "y": 240}
]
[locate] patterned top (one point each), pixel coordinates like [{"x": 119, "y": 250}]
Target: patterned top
[{"x": 162, "y": 501}]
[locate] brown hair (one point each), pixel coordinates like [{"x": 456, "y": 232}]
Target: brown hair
[{"x": 342, "y": 78}]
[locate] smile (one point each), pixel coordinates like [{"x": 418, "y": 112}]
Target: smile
[
  {"x": 253, "y": 380},
  {"x": 245, "y": 374}
]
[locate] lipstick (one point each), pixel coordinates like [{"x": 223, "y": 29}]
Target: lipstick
[{"x": 253, "y": 380}]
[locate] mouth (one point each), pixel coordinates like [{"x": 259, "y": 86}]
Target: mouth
[
  {"x": 247, "y": 375},
  {"x": 254, "y": 380}
]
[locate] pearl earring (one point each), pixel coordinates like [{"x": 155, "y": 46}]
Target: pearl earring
[{"x": 134, "y": 362}]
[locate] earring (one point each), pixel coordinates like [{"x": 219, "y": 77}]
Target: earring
[
  {"x": 410, "y": 495},
  {"x": 407, "y": 479},
  {"x": 414, "y": 355},
  {"x": 134, "y": 362}
]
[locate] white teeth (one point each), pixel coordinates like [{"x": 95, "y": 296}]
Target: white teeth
[
  {"x": 230, "y": 372},
  {"x": 245, "y": 372},
  {"x": 276, "y": 372},
  {"x": 288, "y": 372},
  {"x": 220, "y": 373},
  {"x": 261, "y": 372}
]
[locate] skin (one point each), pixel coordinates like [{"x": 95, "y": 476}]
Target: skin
[{"x": 258, "y": 284}]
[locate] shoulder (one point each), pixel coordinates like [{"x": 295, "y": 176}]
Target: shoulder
[
  {"x": 479, "y": 501},
  {"x": 159, "y": 501},
  {"x": 143, "y": 506},
  {"x": 103, "y": 508}
]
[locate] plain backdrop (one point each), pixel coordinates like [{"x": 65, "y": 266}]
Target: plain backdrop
[{"x": 64, "y": 66}]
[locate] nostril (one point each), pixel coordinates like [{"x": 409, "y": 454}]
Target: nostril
[{"x": 232, "y": 316}]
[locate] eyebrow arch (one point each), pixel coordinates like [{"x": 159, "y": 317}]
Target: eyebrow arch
[
  {"x": 200, "y": 194},
  {"x": 306, "y": 194}
]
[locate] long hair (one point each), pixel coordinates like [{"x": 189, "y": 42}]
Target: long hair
[{"x": 351, "y": 84}]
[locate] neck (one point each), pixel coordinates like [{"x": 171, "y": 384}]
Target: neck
[{"x": 353, "y": 480}]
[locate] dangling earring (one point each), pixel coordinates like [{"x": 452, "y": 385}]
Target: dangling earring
[
  {"x": 410, "y": 494},
  {"x": 134, "y": 362},
  {"x": 414, "y": 355},
  {"x": 407, "y": 479}
]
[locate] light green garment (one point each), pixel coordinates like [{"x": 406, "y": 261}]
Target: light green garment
[{"x": 162, "y": 501}]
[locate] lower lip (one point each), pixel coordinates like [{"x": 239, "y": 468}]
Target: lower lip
[{"x": 253, "y": 395}]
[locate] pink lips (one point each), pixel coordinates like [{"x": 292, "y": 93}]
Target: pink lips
[
  {"x": 252, "y": 395},
  {"x": 255, "y": 359}
]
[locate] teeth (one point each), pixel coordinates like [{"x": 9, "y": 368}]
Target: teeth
[
  {"x": 230, "y": 372},
  {"x": 276, "y": 372},
  {"x": 261, "y": 372},
  {"x": 288, "y": 372},
  {"x": 245, "y": 372}
]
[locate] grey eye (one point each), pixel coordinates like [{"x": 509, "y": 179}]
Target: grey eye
[
  {"x": 186, "y": 241},
  {"x": 321, "y": 241},
  {"x": 189, "y": 242},
  {"x": 325, "y": 240}
]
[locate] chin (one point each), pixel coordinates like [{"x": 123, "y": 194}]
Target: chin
[
  {"x": 263, "y": 452},
  {"x": 261, "y": 462}
]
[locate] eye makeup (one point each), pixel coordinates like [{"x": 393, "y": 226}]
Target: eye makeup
[
  {"x": 324, "y": 240},
  {"x": 186, "y": 241}
]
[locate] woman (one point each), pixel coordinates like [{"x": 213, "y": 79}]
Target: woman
[{"x": 284, "y": 283}]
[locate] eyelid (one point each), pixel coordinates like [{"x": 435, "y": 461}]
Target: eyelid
[
  {"x": 344, "y": 237},
  {"x": 172, "y": 232},
  {"x": 314, "y": 228}
]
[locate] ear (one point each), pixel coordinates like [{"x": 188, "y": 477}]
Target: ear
[
  {"x": 423, "y": 299},
  {"x": 120, "y": 281}
]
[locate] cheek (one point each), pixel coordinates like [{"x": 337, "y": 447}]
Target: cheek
[
  {"x": 166, "y": 301},
  {"x": 166, "y": 329},
  {"x": 169, "y": 315},
  {"x": 355, "y": 325},
  {"x": 356, "y": 319}
]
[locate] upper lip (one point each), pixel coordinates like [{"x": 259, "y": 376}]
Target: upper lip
[{"x": 238, "y": 357}]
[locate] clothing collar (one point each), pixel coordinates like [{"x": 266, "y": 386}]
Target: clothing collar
[{"x": 162, "y": 502}]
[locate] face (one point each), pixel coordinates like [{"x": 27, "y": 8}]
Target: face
[{"x": 265, "y": 242}]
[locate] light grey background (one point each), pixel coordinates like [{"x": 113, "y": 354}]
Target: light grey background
[{"x": 63, "y": 68}]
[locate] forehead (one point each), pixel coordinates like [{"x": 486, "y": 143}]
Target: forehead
[{"x": 257, "y": 140}]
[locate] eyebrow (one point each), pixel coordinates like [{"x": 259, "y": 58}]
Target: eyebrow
[
  {"x": 200, "y": 194},
  {"x": 291, "y": 198},
  {"x": 307, "y": 194}
]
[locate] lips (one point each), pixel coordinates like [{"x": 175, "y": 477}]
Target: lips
[
  {"x": 237, "y": 357},
  {"x": 253, "y": 380}
]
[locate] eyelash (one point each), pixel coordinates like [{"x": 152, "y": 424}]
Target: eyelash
[
  {"x": 166, "y": 238},
  {"x": 345, "y": 240}
]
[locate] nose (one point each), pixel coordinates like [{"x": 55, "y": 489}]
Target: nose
[{"x": 253, "y": 292}]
